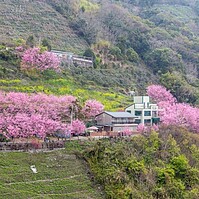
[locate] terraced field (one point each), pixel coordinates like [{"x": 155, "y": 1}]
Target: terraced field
[{"x": 60, "y": 175}]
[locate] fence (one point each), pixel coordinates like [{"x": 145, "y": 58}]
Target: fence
[{"x": 110, "y": 134}]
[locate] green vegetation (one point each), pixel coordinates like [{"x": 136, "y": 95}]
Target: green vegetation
[
  {"x": 133, "y": 43},
  {"x": 20, "y": 19},
  {"x": 86, "y": 5},
  {"x": 66, "y": 86},
  {"x": 83, "y": 83},
  {"x": 60, "y": 175},
  {"x": 179, "y": 87},
  {"x": 155, "y": 165}
]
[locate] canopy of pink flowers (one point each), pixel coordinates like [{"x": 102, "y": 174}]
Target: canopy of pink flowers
[
  {"x": 25, "y": 115},
  {"x": 32, "y": 58},
  {"x": 174, "y": 113},
  {"x": 92, "y": 108}
]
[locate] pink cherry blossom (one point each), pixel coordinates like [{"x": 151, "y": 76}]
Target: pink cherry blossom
[
  {"x": 26, "y": 115},
  {"x": 172, "y": 112},
  {"x": 32, "y": 58},
  {"x": 127, "y": 131},
  {"x": 92, "y": 108},
  {"x": 141, "y": 128},
  {"x": 160, "y": 94},
  {"x": 77, "y": 127}
]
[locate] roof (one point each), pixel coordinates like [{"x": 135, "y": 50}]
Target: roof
[
  {"x": 92, "y": 128},
  {"x": 81, "y": 59},
  {"x": 129, "y": 106},
  {"x": 119, "y": 114},
  {"x": 61, "y": 52}
]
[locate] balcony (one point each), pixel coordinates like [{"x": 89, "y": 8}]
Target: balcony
[{"x": 122, "y": 121}]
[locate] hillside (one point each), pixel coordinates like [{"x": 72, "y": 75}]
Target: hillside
[
  {"x": 133, "y": 43},
  {"x": 19, "y": 19},
  {"x": 60, "y": 175},
  {"x": 161, "y": 165}
]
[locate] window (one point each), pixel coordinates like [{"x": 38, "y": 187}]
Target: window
[
  {"x": 137, "y": 121},
  {"x": 147, "y": 113},
  {"x": 147, "y": 121},
  {"x": 156, "y": 120},
  {"x": 154, "y": 114},
  {"x": 138, "y": 113},
  {"x": 129, "y": 111}
]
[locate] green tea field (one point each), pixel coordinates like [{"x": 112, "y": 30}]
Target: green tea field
[{"x": 59, "y": 175}]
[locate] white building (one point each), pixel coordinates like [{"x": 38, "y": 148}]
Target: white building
[
  {"x": 71, "y": 58},
  {"x": 146, "y": 112}
]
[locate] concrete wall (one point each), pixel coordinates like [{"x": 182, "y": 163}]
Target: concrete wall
[
  {"x": 141, "y": 99},
  {"x": 122, "y": 127}
]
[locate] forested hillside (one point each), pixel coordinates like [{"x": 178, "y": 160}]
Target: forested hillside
[
  {"x": 133, "y": 42},
  {"x": 160, "y": 165}
]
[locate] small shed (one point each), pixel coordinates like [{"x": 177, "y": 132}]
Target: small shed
[{"x": 92, "y": 129}]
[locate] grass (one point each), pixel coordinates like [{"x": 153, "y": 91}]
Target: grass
[
  {"x": 19, "y": 19},
  {"x": 60, "y": 175},
  {"x": 88, "y": 6},
  {"x": 111, "y": 100}
]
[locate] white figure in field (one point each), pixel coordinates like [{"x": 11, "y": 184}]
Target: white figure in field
[{"x": 33, "y": 168}]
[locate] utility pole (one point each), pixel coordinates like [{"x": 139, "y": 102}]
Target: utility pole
[{"x": 71, "y": 115}]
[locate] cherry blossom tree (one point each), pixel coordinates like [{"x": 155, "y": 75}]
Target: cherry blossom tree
[
  {"x": 155, "y": 127},
  {"x": 160, "y": 94},
  {"x": 25, "y": 125},
  {"x": 92, "y": 108},
  {"x": 54, "y": 107},
  {"x": 77, "y": 127},
  {"x": 174, "y": 113},
  {"x": 141, "y": 128},
  {"x": 25, "y": 115},
  {"x": 127, "y": 131},
  {"x": 33, "y": 58}
]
